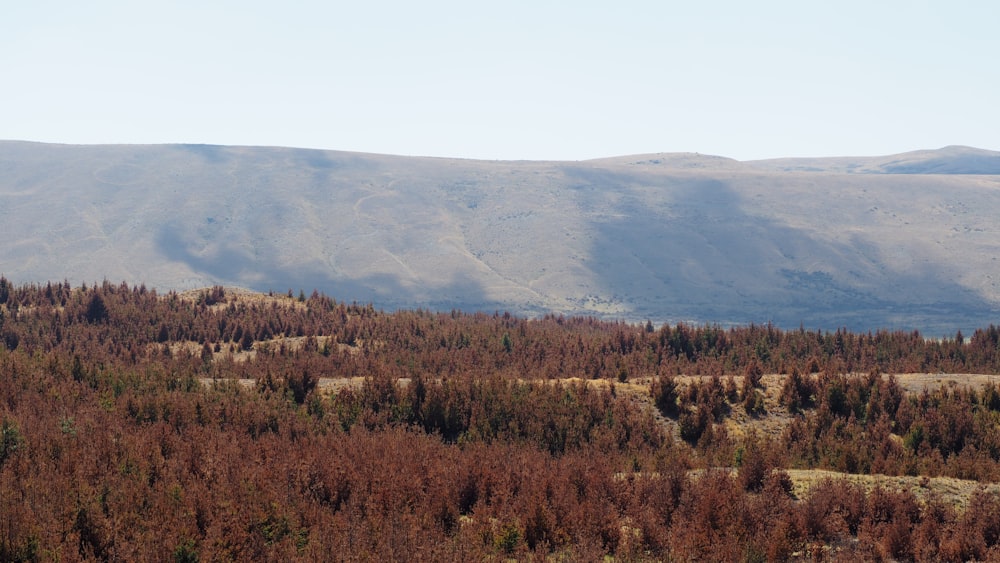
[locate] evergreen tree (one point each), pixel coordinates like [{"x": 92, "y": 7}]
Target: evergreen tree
[{"x": 97, "y": 311}]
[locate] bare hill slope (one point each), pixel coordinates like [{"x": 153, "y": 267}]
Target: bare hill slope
[{"x": 907, "y": 241}]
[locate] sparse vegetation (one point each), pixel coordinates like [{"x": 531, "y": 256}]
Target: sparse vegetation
[{"x": 265, "y": 228}]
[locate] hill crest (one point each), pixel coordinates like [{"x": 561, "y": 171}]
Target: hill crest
[{"x": 902, "y": 241}]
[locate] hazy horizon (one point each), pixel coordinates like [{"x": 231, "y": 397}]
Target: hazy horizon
[
  {"x": 540, "y": 160},
  {"x": 527, "y": 81}
]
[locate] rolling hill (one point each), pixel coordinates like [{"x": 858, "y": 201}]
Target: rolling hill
[{"x": 907, "y": 241}]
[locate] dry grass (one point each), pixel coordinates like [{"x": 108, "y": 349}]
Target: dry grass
[
  {"x": 241, "y": 295},
  {"x": 231, "y": 351},
  {"x": 917, "y": 382},
  {"x": 738, "y": 423},
  {"x": 955, "y": 492}
]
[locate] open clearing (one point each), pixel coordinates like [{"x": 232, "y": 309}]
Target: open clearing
[{"x": 953, "y": 492}]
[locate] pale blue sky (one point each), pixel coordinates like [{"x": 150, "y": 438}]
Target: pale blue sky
[{"x": 507, "y": 80}]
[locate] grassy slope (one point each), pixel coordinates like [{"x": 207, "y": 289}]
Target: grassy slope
[{"x": 668, "y": 237}]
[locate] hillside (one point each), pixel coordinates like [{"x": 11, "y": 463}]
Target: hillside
[
  {"x": 906, "y": 241},
  {"x": 226, "y": 425}
]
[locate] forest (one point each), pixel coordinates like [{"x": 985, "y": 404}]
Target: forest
[{"x": 223, "y": 425}]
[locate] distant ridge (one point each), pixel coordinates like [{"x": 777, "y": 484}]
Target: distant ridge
[
  {"x": 902, "y": 241},
  {"x": 947, "y": 160}
]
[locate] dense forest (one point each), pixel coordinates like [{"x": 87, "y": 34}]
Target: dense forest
[{"x": 222, "y": 425}]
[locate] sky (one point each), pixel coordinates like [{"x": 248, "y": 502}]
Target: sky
[{"x": 536, "y": 80}]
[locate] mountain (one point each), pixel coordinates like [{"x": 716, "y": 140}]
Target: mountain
[
  {"x": 907, "y": 241},
  {"x": 949, "y": 160}
]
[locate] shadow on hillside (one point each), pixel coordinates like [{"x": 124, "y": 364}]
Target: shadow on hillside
[
  {"x": 695, "y": 254},
  {"x": 232, "y": 265}
]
